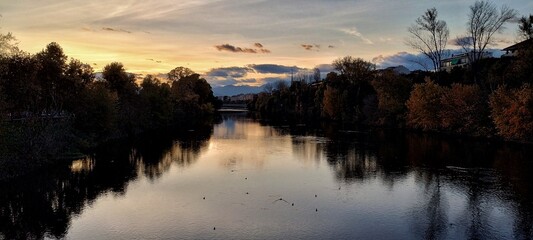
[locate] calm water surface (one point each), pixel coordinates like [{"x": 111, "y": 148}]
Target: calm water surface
[{"x": 264, "y": 182}]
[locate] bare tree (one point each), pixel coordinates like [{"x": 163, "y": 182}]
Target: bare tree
[
  {"x": 525, "y": 27},
  {"x": 429, "y": 36},
  {"x": 484, "y": 21},
  {"x": 8, "y": 44},
  {"x": 316, "y": 74},
  {"x": 268, "y": 88}
]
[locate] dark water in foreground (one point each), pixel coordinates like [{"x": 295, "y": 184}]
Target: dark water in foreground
[{"x": 344, "y": 185}]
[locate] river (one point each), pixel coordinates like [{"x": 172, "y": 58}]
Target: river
[{"x": 241, "y": 179}]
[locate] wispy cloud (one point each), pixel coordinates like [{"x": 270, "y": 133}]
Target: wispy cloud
[
  {"x": 115, "y": 30},
  {"x": 308, "y": 47},
  {"x": 153, "y": 60},
  {"x": 354, "y": 32},
  {"x": 231, "y": 48}
]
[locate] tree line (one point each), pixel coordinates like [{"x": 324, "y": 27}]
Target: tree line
[
  {"x": 50, "y": 104},
  {"x": 491, "y": 97}
]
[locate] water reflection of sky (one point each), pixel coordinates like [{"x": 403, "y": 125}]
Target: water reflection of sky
[{"x": 343, "y": 186}]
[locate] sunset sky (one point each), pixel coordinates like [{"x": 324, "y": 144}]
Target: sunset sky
[{"x": 231, "y": 42}]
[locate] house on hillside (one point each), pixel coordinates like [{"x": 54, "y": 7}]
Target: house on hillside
[
  {"x": 459, "y": 60},
  {"x": 511, "y": 51}
]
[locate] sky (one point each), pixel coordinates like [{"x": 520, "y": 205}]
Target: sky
[{"x": 233, "y": 42}]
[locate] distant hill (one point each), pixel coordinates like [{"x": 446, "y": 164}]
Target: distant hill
[{"x": 231, "y": 90}]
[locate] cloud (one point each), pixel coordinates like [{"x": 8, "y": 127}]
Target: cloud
[
  {"x": 251, "y": 80},
  {"x": 325, "y": 68},
  {"x": 231, "y": 48},
  {"x": 417, "y": 61},
  {"x": 274, "y": 79},
  {"x": 331, "y": 46},
  {"x": 409, "y": 60},
  {"x": 115, "y": 30},
  {"x": 233, "y": 72},
  {"x": 274, "y": 68},
  {"x": 308, "y": 47},
  {"x": 218, "y": 82},
  {"x": 354, "y": 32},
  {"x": 88, "y": 29},
  {"x": 153, "y": 60}
]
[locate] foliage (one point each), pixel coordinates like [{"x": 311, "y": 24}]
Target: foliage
[
  {"x": 96, "y": 112},
  {"x": 512, "y": 112},
  {"x": 194, "y": 95},
  {"x": 464, "y": 110},
  {"x": 333, "y": 103},
  {"x": 156, "y": 100},
  {"x": 50, "y": 74},
  {"x": 354, "y": 69},
  {"x": 51, "y": 106},
  {"x": 179, "y": 73},
  {"x": 118, "y": 80},
  {"x": 392, "y": 93},
  {"x": 522, "y": 67},
  {"x": 424, "y": 105},
  {"x": 19, "y": 84}
]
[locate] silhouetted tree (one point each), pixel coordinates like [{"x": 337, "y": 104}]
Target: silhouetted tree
[
  {"x": 316, "y": 74},
  {"x": 194, "y": 95},
  {"x": 54, "y": 88},
  {"x": 19, "y": 84},
  {"x": 179, "y": 73},
  {"x": 392, "y": 92},
  {"x": 96, "y": 112},
  {"x": 484, "y": 21},
  {"x": 525, "y": 27},
  {"x": 429, "y": 36},
  {"x": 156, "y": 103},
  {"x": 8, "y": 44},
  {"x": 118, "y": 79},
  {"x": 354, "y": 69}
]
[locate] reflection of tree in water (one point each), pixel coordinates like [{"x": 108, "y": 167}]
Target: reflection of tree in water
[
  {"x": 44, "y": 203},
  {"x": 516, "y": 170},
  {"x": 484, "y": 173},
  {"x": 361, "y": 155},
  {"x": 430, "y": 218},
  {"x": 157, "y": 156}
]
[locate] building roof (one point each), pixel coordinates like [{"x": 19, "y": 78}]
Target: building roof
[{"x": 519, "y": 45}]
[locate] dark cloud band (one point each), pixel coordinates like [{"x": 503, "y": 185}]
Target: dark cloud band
[{"x": 235, "y": 49}]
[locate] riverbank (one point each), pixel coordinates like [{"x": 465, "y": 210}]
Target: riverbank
[{"x": 24, "y": 150}]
